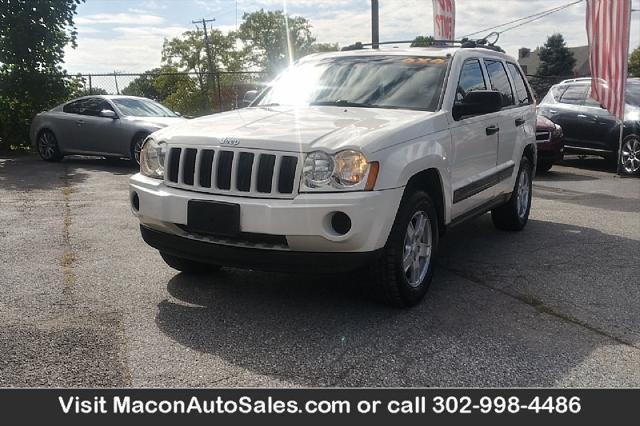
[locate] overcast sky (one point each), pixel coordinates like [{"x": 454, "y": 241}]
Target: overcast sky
[{"x": 127, "y": 35}]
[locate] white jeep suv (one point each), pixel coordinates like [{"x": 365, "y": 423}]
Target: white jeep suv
[{"x": 348, "y": 160}]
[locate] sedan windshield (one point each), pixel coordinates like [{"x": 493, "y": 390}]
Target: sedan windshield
[
  {"x": 393, "y": 81},
  {"x": 142, "y": 108}
]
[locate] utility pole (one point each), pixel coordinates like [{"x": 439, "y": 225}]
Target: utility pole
[
  {"x": 375, "y": 24},
  {"x": 212, "y": 68}
]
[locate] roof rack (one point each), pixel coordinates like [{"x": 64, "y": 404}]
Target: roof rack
[{"x": 464, "y": 44}]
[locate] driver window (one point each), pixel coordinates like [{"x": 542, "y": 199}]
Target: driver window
[{"x": 471, "y": 78}]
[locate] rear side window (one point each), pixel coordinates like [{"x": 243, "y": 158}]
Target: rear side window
[
  {"x": 523, "y": 97},
  {"x": 90, "y": 106},
  {"x": 500, "y": 81},
  {"x": 73, "y": 107},
  {"x": 575, "y": 94},
  {"x": 471, "y": 78}
]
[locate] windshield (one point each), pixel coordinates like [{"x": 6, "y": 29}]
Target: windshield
[
  {"x": 142, "y": 108},
  {"x": 632, "y": 94},
  {"x": 399, "y": 82}
]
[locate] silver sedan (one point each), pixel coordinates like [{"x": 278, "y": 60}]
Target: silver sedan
[{"x": 109, "y": 126}]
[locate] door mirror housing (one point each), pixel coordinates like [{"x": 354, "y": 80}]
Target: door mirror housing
[
  {"x": 107, "y": 113},
  {"x": 478, "y": 102},
  {"x": 249, "y": 97}
]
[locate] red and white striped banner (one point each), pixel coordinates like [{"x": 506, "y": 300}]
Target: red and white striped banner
[
  {"x": 444, "y": 19},
  {"x": 608, "y": 24}
]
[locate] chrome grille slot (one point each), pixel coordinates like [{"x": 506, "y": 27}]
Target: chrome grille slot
[{"x": 235, "y": 172}]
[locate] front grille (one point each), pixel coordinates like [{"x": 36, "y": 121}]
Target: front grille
[
  {"x": 249, "y": 173},
  {"x": 543, "y": 136}
]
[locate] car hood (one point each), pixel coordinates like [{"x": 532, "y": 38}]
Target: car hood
[
  {"x": 303, "y": 129},
  {"x": 156, "y": 121}
]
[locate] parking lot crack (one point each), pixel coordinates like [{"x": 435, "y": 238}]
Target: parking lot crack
[
  {"x": 68, "y": 256},
  {"x": 540, "y": 306}
]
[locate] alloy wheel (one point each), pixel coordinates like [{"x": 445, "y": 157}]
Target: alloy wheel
[
  {"x": 137, "y": 148},
  {"x": 416, "y": 254},
  {"x": 46, "y": 145},
  {"x": 631, "y": 155},
  {"x": 522, "y": 202}
]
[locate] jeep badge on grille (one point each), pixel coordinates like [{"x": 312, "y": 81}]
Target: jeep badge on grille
[{"x": 230, "y": 141}]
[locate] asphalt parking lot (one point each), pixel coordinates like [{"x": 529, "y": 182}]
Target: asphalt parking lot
[{"x": 84, "y": 302}]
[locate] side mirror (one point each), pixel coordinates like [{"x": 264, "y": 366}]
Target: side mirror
[
  {"x": 177, "y": 113},
  {"x": 107, "y": 113},
  {"x": 249, "y": 97},
  {"x": 478, "y": 102}
]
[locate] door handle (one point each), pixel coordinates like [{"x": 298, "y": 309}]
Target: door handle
[
  {"x": 492, "y": 130},
  {"x": 581, "y": 116},
  {"x": 80, "y": 122},
  {"x": 553, "y": 111},
  {"x": 520, "y": 121}
]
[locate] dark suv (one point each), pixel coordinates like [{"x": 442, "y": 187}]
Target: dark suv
[{"x": 590, "y": 129}]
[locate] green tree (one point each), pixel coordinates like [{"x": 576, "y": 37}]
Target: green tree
[
  {"x": 264, "y": 34},
  {"x": 33, "y": 35},
  {"x": 422, "y": 41},
  {"x": 555, "y": 57},
  {"x": 144, "y": 86},
  {"x": 325, "y": 47},
  {"x": 634, "y": 63}
]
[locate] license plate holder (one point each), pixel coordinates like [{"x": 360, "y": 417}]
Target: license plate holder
[{"x": 213, "y": 217}]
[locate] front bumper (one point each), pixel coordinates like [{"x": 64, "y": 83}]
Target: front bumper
[
  {"x": 258, "y": 259},
  {"x": 305, "y": 221}
]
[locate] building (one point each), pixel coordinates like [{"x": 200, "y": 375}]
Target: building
[{"x": 530, "y": 61}]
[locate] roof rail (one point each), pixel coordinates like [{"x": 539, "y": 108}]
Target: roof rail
[
  {"x": 574, "y": 80},
  {"x": 464, "y": 43}
]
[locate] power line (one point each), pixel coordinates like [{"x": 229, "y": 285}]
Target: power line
[
  {"x": 212, "y": 67},
  {"x": 535, "y": 16}
]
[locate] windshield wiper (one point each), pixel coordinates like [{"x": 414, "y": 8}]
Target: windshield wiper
[{"x": 342, "y": 102}]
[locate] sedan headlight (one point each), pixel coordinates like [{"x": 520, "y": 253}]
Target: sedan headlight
[
  {"x": 346, "y": 169},
  {"x": 152, "y": 159}
]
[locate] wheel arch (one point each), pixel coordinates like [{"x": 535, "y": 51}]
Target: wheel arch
[
  {"x": 134, "y": 138},
  {"x": 430, "y": 181}
]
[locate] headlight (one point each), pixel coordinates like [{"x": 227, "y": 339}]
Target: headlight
[
  {"x": 350, "y": 169},
  {"x": 346, "y": 169},
  {"x": 318, "y": 169},
  {"x": 152, "y": 159}
]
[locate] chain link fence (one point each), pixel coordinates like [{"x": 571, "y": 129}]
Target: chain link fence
[{"x": 191, "y": 94}]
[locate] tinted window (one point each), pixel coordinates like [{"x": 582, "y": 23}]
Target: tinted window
[
  {"x": 575, "y": 94},
  {"x": 73, "y": 107},
  {"x": 500, "y": 81},
  {"x": 522, "y": 94},
  {"x": 89, "y": 106},
  {"x": 471, "y": 78},
  {"x": 394, "y": 81}
]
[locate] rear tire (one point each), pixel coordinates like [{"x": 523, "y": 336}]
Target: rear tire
[
  {"x": 47, "y": 146},
  {"x": 187, "y": 265},
  {"x": 513, "y": 215},
  {"x": 403, "y": 273}
]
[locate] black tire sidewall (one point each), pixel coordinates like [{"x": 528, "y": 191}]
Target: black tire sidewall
[
  {"x": 417, "y": 201},
  {"x": 525, "y": 164}
]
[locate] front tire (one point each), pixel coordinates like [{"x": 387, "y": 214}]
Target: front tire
[
  {"x": 136, "y": 147},
  {"x": 187, "y": 265},
  {"x": 544, "y": 166},
  {"x": 47, "y": 145},
  {"x": 513, "y": 215},
  {"x": 630, "y": 158},
  {"x": 404, "y": 272}
]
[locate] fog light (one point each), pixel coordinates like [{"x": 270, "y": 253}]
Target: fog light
[
  {"x": 341, "y": 223},
  {"x": 135, "y": 201}
]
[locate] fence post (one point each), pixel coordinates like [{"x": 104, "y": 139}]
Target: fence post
[
  {"x": 115, "y": 77},
  {"x": 90, "y": 88}
]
